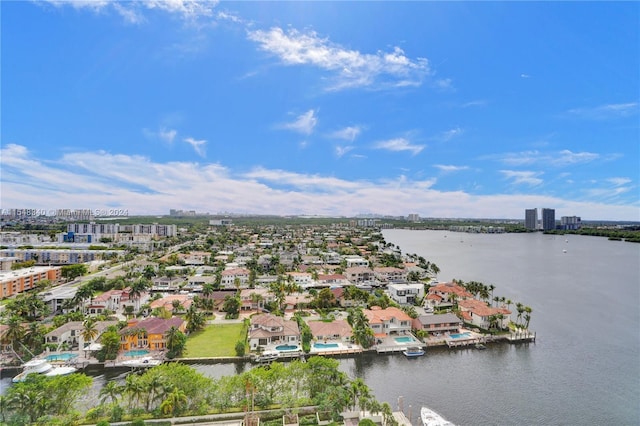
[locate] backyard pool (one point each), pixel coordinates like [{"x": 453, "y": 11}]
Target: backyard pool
[
  {"x": 60, "y": 357},
  {"x": 284, "y": 348},
  {"x": 460, "y": 335},
  {"x": 404, "y": 339},
  {"x": 137, "y": 352},
  {"x": 326, "y": 345}
]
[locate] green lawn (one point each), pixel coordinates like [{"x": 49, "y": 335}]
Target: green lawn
[{"x": 217, "y": 340}]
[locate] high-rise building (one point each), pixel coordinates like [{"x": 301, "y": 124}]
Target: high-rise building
[
  {"x": 548, "y": 219},
  {"x": 531, "y": 219},
  {"x": 570, "y": 222}
]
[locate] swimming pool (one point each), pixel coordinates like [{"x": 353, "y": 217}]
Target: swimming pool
[
  {"x": 60, "y": 357},
  {"x": 326, "y": 345},
  {"x": 460, "y": 335},
  {"x": 403, "y": 339},
  {"x": 137, "y": 352},
  {"x": 284, "y": 348}
]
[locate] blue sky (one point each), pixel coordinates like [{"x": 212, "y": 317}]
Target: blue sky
[{"x": 444, "y": 109}]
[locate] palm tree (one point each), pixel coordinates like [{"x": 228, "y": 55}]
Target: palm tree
[
  {"x": 89, "y": 330},
  {"x": 134, "y": 387},
  {"x": 527, "y": 316},
  {"x": 15, "y": 330},
  {"x": 175, "y": 402},
  {"x": 138, "y": 287},
  {"x": 256, "y": 299},
  {"x": 111, "y": 390}
]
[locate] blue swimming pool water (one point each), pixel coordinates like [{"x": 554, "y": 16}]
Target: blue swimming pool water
[
  {"x": 286, "y": 348},
  {"x": 460, "y": 335},
  {"x": 404, "y": 339},
  {"x": 325, "y": 345},
  {"x": 137, "y": 352},
  {"x": 60, "y": 357}
]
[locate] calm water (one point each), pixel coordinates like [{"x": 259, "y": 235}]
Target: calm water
[{"x": 584, "y": 368}]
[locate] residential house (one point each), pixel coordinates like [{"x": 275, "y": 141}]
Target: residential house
[
  {"x": 166, "y": 284},
  {"x": 338, "y": 292},
  {"x": 332, "y": 280},
  {"x": 70, "y": 334},
  {"x": 109, "y": 300},
  {"x": 389, "y": 321},
  {"x": 236, "y": 275},
  {"x": 406, "y": 293},
  {"x": 167, "y": 302},
  {"x": 480, "y": 314},
  {"x": 269, "y": 329},
  {"x": 335, "y": 330},
  {"x": 149, "y": 333},
  {"x": 440, "y": 323},
  {"x": 297, "y": 301},
  {"x": 303, "y": 279},
  {"x": 389, "y": 273},
  {"x": 444, "y": 294},
  {"x": 249, "y": 302},
  {"x": 359, "y": 274},
  {"x": 354, "y": 261}
]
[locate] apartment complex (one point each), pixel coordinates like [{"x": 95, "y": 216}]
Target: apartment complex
[{"x": 21, "y": 280}]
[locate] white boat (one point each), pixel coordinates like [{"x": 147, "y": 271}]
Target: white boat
[
  {"x": 145, "y": 361},
  {"x": 431, "y": 418},
  {"x": 42, "y": 366},
  {"x": 412, "y": 352},
  {"x": 267, "y": 356}
]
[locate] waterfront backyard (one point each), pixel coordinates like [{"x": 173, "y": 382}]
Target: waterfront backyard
[{"x": 216, "y": 340}]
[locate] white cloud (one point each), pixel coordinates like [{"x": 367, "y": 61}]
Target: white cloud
[
  {"x": 523, "y": 177},
  {"x": 450, "y": 134},
  {"x": 619, "y": 181},
  {"x": 525, "y": 76},
  {"x": 197, "y": 145},
  {"x": 555, "y": 158},
  {"x": 304, "y": 124},
  {"x": 143, "y": 186},
  {"x": 399, "y": 144},
  {"x": 607, "y": 111},
  {"x": 349, "y": 133},
  {"x": 342, "y": 150},
  {"x": 132, "y": 11},
  {"x": 450, "y": 168},
  {"x": 350, "y": 68}
]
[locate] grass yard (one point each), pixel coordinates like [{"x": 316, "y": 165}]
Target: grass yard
[{"x": 217, "y": 340}]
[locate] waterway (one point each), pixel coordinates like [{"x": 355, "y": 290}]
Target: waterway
[{"x": 584, "y": 367}]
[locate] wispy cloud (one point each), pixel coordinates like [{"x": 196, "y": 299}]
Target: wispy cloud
[
  {"x": 342, "y": 150},
  {"x": 349, "y": 68},
  {"x": 556, "y": 158},
  {"x": 143, "y": 186},
  {"x": 304, "y": 123},
  {"x": 450, "y": 168},
  {"x": 197, "y": 145},
  {"x": 522, "y": 177},
  {"x": 399, "y": 144},
  {"x": 164, "y": 134},
  {"x": 525, "y": 76},
  {"x": 450, "y": 134},
  {"x": 132, "y": 11},
  {"x": 349, "y": 133},
  {"x": 619, "y": 181},
  {"x": 607, "y": 111},
  {"x": 475, "y": 103}
]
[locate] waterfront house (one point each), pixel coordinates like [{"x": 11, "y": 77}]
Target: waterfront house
[
  {"x": 480, "y": 313},
  {"x": 332, "y": 280},
  {"x": 109, "y": 300},
  {"x": 439, "y": 323},
  {"x": 70, "y": 334},
  {"x": 389, "y": 321},
  {"x": 406, "y": 293},
  {"x": 337, "y": 330},
  {"x": 444, "y": 294},
  {"x": 149, "y": 333},
  {"x": 269, "y": 329}
]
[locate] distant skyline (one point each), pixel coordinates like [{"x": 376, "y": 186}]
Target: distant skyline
[{"x": 442, "y": 109}]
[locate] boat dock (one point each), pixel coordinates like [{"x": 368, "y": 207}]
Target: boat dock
[{"x": 389, "y": 349}]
